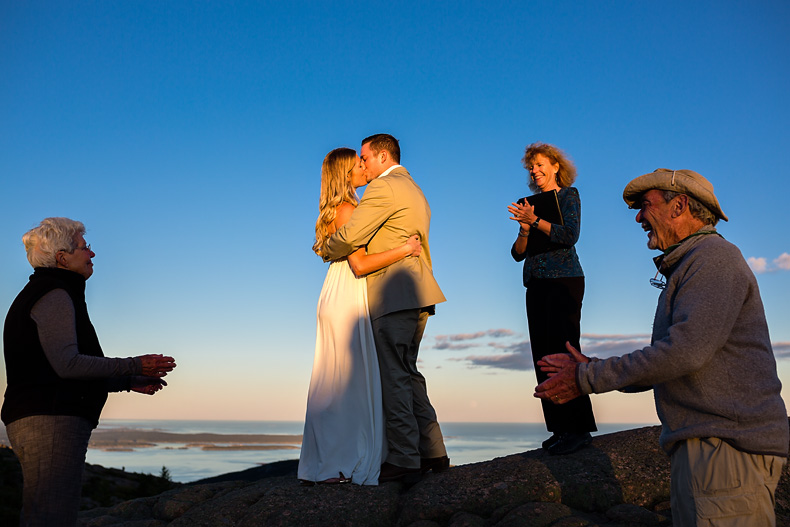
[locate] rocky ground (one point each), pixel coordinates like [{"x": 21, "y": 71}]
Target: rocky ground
[{"x": 621, "y": 480}]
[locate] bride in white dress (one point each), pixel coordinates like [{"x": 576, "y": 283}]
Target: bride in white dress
[{"x": 344, "y": 425}]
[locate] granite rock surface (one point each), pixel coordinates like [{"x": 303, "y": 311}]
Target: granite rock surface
[{"x": 621, "y": 480}]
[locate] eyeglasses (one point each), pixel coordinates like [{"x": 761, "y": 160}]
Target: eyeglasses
[
  {"x": 658, "y": 282},
  {"x": 86, "y": 248}
]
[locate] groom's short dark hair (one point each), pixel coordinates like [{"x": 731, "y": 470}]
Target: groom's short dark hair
[{"x": 379, "y": 142}]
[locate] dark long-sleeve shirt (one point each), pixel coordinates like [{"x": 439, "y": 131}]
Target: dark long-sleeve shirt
[
  {"x": 55, "y": 319},
  {"x": 561, "y": 261}
]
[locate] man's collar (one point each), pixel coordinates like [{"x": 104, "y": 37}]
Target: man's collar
[
  {"x": 660, "y": 262},
  {"x": 706, "y": 229},
  {"x": 390, "y": 169}
]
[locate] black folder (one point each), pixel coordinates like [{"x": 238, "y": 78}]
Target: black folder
[{"x": 547, "y": 208}]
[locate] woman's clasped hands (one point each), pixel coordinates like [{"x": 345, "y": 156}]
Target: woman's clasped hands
[
  {"x": 155, "y": 366},
  {"x": 523, "y": 213}
]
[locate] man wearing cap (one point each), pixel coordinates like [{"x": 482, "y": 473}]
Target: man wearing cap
[{"x": 710, "y": 361}]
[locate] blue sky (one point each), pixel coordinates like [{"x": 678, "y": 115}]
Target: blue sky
[{"x": 188, "y": 137}]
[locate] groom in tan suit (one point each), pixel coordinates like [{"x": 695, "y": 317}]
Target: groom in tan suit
[{"x": 400, "y": 298}]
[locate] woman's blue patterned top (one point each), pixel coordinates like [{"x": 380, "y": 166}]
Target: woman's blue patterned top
[{"x": 560, "y": 261}]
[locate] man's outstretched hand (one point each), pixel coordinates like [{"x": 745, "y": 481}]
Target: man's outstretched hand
[{"x": 561, "y": 385}]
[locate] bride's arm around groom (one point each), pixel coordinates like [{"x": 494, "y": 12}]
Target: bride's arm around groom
[{"x": 392, "y": 209}]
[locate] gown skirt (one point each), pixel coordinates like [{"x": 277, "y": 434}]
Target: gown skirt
[{"x": 344, "y": 423}]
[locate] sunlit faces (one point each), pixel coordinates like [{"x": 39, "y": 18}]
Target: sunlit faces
[
  {"x": 544, "y": 173},
  {"x": 357, "y": 174},
  {"x": 78, "y": 261},
  {"x": 372, "y": 163},
  {"x": 655, "y": 215}
]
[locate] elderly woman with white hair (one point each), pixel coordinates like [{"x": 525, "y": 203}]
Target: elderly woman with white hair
[{"x": 58, "y": 376}]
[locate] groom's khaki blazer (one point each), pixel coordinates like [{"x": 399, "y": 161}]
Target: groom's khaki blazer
[{"x": 392, "y": 209}]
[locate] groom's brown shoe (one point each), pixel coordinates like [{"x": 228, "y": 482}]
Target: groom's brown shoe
[
  {"x": 435, "y": 464},
  {"x": 390, "y": 472}
]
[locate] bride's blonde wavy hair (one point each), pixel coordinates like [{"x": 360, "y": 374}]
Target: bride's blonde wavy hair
[{"x": 335, "y": 189}]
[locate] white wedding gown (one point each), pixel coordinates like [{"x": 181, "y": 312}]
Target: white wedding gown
[{"x": 344, "y": 425}]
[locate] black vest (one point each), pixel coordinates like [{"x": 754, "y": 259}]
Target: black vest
[{"x": 33, "y": 386}]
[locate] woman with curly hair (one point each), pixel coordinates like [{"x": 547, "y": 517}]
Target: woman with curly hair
[
  {"x": 344, "y": 427},
  {"x": 554, "y": 280}
]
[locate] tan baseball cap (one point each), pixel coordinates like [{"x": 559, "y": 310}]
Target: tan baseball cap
[{"x": 684, "y": 181}]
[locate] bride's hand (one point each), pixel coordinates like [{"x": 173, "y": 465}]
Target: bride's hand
[{"x": 414, "y": 244}]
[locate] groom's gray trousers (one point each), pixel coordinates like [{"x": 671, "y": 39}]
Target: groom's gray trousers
[{"x": 412, "y": 429}]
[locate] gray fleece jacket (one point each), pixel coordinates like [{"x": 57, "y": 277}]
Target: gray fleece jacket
[{"x": 710, "y": 360}]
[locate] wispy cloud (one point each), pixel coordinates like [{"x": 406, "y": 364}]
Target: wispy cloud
[
  {"x": 605, "y": 346},
  {"x": 781, "y": 350},
  {"x": 503, "y": 350},
  {"x": 503, "y": 361},
  {"x": 783, "y": 262},
  {"x": 514, "y": 355},
  {"x": 494, "y": 333},
  {"x": 460, "y": 341},
  {"x": 760, "y": 265},
  {"x": 446, "y": 345}
]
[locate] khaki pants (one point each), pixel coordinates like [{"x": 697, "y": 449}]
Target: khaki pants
[{"x": 713, "y": 484}]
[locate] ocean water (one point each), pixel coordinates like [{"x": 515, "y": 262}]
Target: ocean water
[{"x": 465, "y": 442}]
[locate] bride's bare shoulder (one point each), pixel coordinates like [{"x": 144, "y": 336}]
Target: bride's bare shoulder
[{"x": 344, "y": 211}]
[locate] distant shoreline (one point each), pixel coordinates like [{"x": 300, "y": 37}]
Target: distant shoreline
[
  {"x": 143, "y": 436},
  {"x": 128, "y": 438},
  {"x": 194, "y": 450}
]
